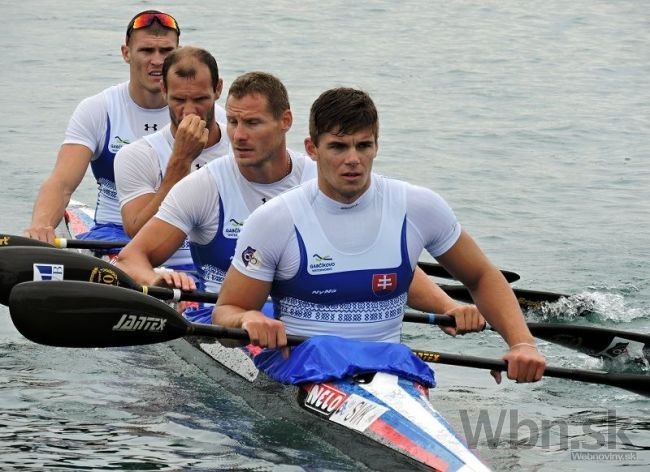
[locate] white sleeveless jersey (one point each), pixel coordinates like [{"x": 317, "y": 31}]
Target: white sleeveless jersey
[
  {"x": 364, "y": 292},
  {"x": 236, "y": 198},
  {"x": 162, "y": 147},
  {"x": 121, "y": 111}
]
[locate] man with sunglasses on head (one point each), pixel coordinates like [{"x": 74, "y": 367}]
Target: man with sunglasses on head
[{"x": 105, "y": 122}]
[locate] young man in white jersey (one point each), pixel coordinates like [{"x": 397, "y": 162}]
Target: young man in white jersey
[
  {"x": 146, "y": 170},
  {"x": 337, "y": 254},
  {"x": 103, "y": 123},
  {"x": 210, "y": 205}
]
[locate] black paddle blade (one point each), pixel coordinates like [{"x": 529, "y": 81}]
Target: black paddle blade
[
  {"x": 7, "y": 240},
  {"x": 22, "y": 264},
  {"x": 526, "y": 298},
  {"x": 594, "y": 341},
  {"x": 81, "y": 314}
]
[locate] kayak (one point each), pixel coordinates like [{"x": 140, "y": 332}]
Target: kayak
[{"x": 380, "y": 420}]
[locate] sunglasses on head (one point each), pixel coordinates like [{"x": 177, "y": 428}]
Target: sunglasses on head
[{"x": 144, "y": 20}]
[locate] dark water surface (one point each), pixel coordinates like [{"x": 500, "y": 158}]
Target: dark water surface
[{"x": 532, "y": 119}]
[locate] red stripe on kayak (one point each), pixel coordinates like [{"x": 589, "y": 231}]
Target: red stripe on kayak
[
  {"x": 76, "y": 223},
  {"x": 383, "y": 429}
]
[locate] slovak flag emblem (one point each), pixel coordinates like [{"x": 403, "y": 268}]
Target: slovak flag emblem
[{"x": 383, "y": 284}]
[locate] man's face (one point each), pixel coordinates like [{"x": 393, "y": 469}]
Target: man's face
[
  {"x": 145, "y": 54},
  {"x": 191, "y": 95},
  {"x": 344, "y": 163},
  {"x": 255, "y": 134}
]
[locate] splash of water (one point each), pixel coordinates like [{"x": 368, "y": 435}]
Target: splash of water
[{"x": 592, "y": 306}]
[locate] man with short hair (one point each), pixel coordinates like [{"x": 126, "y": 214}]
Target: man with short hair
[
  {"x": 209, "y": 206},
  {"x": 146, "y": 170},
  {"x": 337, "y": 254},
  {"x": 103, "y": 123}
]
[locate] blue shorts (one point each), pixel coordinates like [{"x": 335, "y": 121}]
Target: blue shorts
[{"x": 106, "y": 232}]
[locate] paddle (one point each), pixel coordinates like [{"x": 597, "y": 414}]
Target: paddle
[
  {"x": 597, "y": 342},
  {"x": 20, "y": 264},
  {"x": 79, "y": 314},
  {"x": 11, "y": 240},
  {"x": 430, "y": 268},
  {"x": 526, "y": 298},
  {"x": 436, "y": 270},
  {"x": 17, "y": 265}
]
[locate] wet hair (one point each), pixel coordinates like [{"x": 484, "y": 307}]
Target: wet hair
[
  {"x": 187, "y": 70},
  {"x": 264, "y": 84},
  {"x": 155, "y": 28},
  {"x": 342, "y": 111}
]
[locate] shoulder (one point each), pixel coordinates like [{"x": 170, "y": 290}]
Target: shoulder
[
  {"x": 137, "y": 156},
  {"x": 98, "y": 103},
  {"x": 139, "y": 147},
  {"x": 196, "y": 191},
  {"x": 421, "y": 197}
]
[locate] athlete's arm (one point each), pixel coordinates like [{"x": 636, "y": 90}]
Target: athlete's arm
[
  {"x": 151, "y": 247},
  {"x": 496, "y": 300},
  {"x": 425, "y": 295},
  {"x": 190, "y": 140},
  {"x": 54, "y": 194},
  {"x": 240, "y": 300}
]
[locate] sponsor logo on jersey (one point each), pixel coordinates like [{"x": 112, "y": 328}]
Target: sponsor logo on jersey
[
  {"x": 324, "y": 398},
  {"x": 116, "y": 144},
  {"x": 153, "y": 127},
  {"x": 48, "y": 271},
  {"x": 250, "y": 257},
  {"x": 232, "y": 228},
  {"x": 140, "y": 323},
  {"x": 327, "y": 291},
  {"x": 104, "y": 275},
  {"x": 383, "y": 284},
  {"x": 321, "y": 263}
]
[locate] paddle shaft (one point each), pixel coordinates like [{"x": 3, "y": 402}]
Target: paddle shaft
[
  {"x": 436, "y": 270},
  {"x": 635, "y": 383},
  {"x": 13, "y": 240},
  {"x": 81, "y": 314},
  {"x": 594, "y": 341}
]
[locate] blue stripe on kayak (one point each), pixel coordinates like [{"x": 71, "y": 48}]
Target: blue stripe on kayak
[
  {"x": 406, "y": 428},
  {"x": 410, "y": 388}
]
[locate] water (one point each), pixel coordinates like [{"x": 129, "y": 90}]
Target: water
[{"x": 531, "y": 119}]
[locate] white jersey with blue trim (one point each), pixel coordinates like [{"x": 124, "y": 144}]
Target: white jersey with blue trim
[
  {"x": 378, "y": 238},
  {"x": 211, "y": 206},
  {"x": 140, "y": 168},
  {"x": 104, "y": 123}
]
